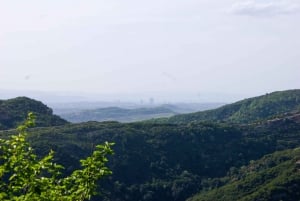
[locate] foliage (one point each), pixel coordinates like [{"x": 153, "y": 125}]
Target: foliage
[
  {"x": 26, "y": 177},
  {"x": 274, "y": 177},
  {"x": 165, "y": 161},
  {"x": 245, "y": 111},
  {"x": 14, "y": 111}
]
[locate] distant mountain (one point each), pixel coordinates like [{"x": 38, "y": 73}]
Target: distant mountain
[
  {"x": 274, "y": 177},
  {"x": 14, "y": 111},
  {"x": 118, "y": 114},
  {"x": 183, "y": 108},
  {"x": 174, "y": 162},
  {"x": 178, "y": 107},
  {"x": 245, "y": 111}
]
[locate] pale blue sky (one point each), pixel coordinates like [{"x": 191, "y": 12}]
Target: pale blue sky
[{"x": 164, "y": 46}]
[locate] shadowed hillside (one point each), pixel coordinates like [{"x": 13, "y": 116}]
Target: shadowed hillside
[
  {"x": 173, "y": 162},
  {"x": 166, "y": 161},
  {"x": 274, "y": 177},
  {"x": 14, "y": 111}
]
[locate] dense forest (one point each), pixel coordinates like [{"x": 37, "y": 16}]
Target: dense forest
[
  {"x": 243, "y": 151},
  {"x": 245, "y": 111},
  {"x": 14, "y": 111},
  {"x": 273, "y": 177}
]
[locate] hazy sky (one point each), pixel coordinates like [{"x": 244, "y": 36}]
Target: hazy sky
[{"x": 116, "y": 46}]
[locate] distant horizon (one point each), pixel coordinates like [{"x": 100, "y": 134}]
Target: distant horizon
[
  {"x": 166, "y": 50},
  {"x": 137, "y": 98}
]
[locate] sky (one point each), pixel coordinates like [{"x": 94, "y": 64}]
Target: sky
[{"x": 190, "y": 48}]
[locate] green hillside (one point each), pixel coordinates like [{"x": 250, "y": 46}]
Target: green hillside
[
  {"x": 165, "y": 161},
  {"x": 173, "y": 162},
  {"x": 118, "y": 114},
  {"x": 245, "y": 111},
  {"x": 274, "y": 177},
  {"x": 14, "y": 111}
]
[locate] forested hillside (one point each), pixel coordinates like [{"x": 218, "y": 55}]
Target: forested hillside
[
  {"x": 173, "y": 162},
  {"x": 166, "y": 161},
  {"x": 274, "y": 177},
  {"x": 245, "y": 111},
  {"x": 14, "y": 111}
]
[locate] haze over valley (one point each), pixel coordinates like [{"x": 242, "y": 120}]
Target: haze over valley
[{"x": 150, "y": 100}]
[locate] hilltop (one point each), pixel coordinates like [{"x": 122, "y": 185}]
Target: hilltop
[
  {"x": 245, "y": 111},
  {"x": 173, "y": 162},
  {"x": 14, "y": 111}
]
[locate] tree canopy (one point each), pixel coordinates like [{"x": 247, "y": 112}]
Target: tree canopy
[{"x": 24, "y": 176}]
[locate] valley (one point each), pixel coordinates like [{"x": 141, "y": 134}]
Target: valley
[{"x": 242, "y": 151}]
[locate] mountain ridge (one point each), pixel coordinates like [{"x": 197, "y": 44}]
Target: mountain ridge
[
  {"x": 170, "y": 161},
  {"x": 14, "y": 111},
  {"x": 245, "y": 111}
]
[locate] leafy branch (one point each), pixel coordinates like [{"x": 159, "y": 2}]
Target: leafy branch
[{"x": 25, "y": 177}]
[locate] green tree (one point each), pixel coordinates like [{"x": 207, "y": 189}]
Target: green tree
[{"x": 24, "y": 176}]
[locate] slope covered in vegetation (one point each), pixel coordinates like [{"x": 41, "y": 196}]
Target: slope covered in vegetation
[
  {"x": 165, "y": 161},
  {"x": 245, "y": 111},
  {"x": 274, "y": 177},
  {"x": 171, "y": 161},
  {"x": 14, "y": 111}
]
